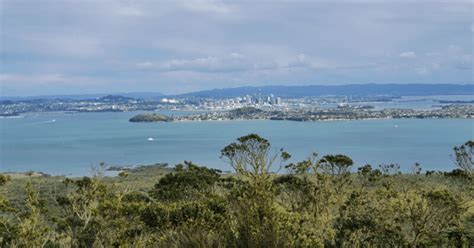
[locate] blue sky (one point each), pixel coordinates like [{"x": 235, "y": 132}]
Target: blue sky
[{"x": 66, "y": 47}]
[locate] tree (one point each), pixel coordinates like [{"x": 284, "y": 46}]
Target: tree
[
  {"x": 188, "y": 182},
  {"x": 430, "y": 215},
  {"x": 304, "y": 167},
  {"x": 251, "y": 156},
  {"x": 336, "y": 164},
  {"x": 253, "y": 205},
  {"x": 32, "y": 230},
  {"x": 464, "y": 157}
]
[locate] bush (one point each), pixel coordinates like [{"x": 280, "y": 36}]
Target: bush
[{"x": 188, "y": 182}]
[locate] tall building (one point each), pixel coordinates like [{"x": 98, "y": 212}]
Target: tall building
[{"x": 248, "y": 99}]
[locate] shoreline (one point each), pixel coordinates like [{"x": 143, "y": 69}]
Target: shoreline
[
  {"x": 319, "y": 120},
  {"x": 336, "y": 114}
]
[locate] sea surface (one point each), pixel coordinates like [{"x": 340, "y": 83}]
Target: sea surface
[{"x": 70, "y": 144}]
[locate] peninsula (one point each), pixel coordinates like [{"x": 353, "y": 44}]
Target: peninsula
[{"x": 340, "y": 113}]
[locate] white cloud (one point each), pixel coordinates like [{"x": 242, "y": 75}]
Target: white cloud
[
  {"x": 26, "y": 80},
  {"x": 232, "y": 62},
  {"x": 458, "y": 58},
  {"x": 301, "y": 60},
  {"x": 422, "y": 71},
  {"x": 454, "y": 49},
  {"x": 236, "y": 62},
  {"x": 207, "y": 6},
  {"x": 129, "y": 11},
  {"x": 304, "y": 61},
  {"x": 64, "y": 44},
  {"x": 236, "y": 56},
  {"x": 408, "y": 55},
  {"x": 16, "y": 79},
  {"x": 210, "y": 43}
]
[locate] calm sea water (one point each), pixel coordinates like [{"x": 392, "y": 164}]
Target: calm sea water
[{"x": 70, "y": 144}]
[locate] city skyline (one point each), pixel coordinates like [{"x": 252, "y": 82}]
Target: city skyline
[{"x": 85, "y": 47}]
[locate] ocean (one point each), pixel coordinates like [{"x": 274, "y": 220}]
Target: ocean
[{"x": 70, "y": 144}]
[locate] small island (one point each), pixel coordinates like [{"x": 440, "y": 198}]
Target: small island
[{"x": 150, "y": 118}]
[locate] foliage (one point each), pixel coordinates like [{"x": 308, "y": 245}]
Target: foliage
[
  {"x": 336, "y": 164},
  {"x": 4, "y": 179},
  {"x": 464, "y": 157},
  {"x": 153, "y": 117},
  {"x": 187, "y": 182}
]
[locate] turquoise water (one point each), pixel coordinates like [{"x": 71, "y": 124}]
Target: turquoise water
[{"x": 70, "y": 144}]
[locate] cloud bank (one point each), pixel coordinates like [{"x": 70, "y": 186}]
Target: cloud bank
[{"x": 64, "y": 47}]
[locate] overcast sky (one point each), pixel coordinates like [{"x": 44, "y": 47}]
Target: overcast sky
[{"x": 65, "y": 47}]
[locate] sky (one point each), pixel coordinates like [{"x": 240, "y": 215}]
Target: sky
[{"x": 99, "y": 46}]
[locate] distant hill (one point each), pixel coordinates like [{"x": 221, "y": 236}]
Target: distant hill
[
  {"x": 281, "y": 91},
  {"x": 135, "y": 95},
  {"x": 352, "y": 89},
  {"x": 114, "y": 98}
]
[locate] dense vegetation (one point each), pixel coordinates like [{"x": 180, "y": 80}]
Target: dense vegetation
[
  {"x": 245, "y": 111},
  {"x": 150, "y": 118},
  {"x": 320, "y": 202}
]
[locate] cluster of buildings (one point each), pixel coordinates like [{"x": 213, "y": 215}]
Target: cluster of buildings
[
  {"x": 344, "y": 113},
  {"x": 126, "y": 104},
  {"x": 104, "y": 104},
  {"x": 309, "y": 108},
  {"x": 238, "y": 102}
]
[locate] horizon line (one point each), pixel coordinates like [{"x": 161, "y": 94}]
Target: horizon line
[{"x": 158, "y": 93}]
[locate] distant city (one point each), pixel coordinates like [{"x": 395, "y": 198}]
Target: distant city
[
  {"x": 270, "y": 107},
  {"x": 114, "y": 103},
  {"x": 301, "y": 103}
]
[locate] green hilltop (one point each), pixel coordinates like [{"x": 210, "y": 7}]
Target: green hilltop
[{"x": 150, "y": 118}]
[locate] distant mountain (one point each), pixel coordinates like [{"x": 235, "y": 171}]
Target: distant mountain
[
  {"x": 346, "y": 90},
  {"x": 136, "y": 95},
  {"x": 282, "y": 91},
  {"x": 142, "y": 95},
  {"x": 115, "y": 99}
]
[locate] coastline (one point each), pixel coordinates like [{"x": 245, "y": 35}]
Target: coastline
[
  {"x": 318, "y": 120},
  {"x": 335, "y": 114}
]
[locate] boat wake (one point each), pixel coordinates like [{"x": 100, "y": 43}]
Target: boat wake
[
  {"x": 46, "y": 122},
  {"x": 12, "y": 117}
]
